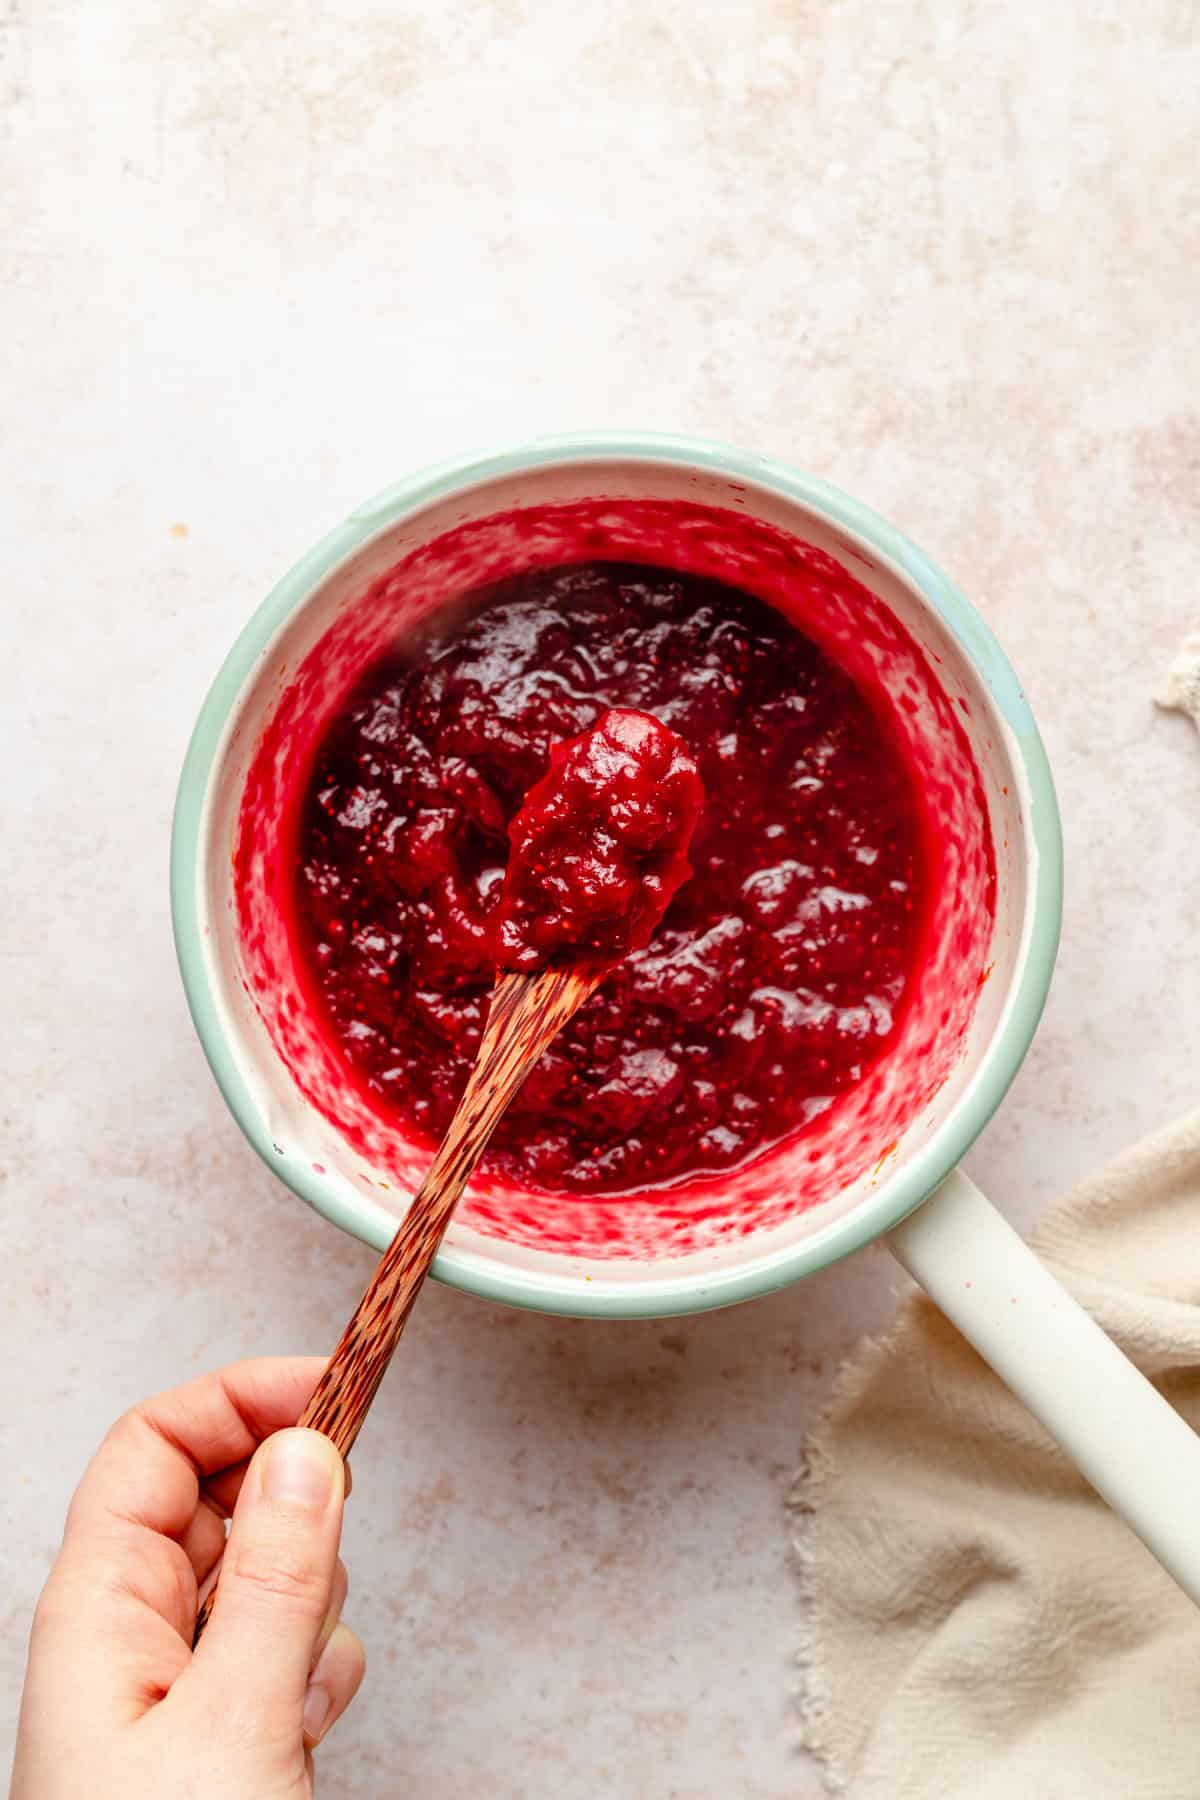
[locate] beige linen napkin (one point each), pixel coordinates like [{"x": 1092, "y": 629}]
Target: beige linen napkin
[
  {"x": 1180, "y": 691},
  {"x": 980, "y": 1626}
]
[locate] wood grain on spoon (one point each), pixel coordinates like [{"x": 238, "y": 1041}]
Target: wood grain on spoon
[{"x": 527, "y": 1011}]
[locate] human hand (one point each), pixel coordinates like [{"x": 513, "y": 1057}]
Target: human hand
[{"x": 117, "y": 1705}]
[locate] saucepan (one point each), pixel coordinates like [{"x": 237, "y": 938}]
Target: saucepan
[{"x": 884, "y": 1161}]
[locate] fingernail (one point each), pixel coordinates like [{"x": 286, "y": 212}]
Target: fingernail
[
  {"x": 317, "y": 1702},
  {"x": 300, "y": 1466}
]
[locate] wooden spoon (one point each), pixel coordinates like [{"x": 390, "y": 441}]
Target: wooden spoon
[{"x": 527, "y": 1011}]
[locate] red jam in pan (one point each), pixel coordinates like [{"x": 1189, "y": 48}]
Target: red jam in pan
[{"x": 780, "y": 970}]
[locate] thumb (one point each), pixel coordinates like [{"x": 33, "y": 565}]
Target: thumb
[{"x": 277, "y": 1578}]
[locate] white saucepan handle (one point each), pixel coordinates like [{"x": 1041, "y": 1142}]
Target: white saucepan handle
[{"x": 1134, "y": 1448}]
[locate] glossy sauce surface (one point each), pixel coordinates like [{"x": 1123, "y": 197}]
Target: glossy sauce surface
[{"x": 781, "y": 967}]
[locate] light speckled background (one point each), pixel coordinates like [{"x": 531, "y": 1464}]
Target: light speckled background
[{"x": 259, "y": 261}]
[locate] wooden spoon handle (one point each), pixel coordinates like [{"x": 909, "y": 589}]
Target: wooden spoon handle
[{"x": 526, "y": 1013}]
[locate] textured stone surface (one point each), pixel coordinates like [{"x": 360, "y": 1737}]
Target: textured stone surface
[{"x": 257, "y": 262}]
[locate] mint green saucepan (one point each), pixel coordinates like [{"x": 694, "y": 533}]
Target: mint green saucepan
[{"x": 805, "y": 1208}]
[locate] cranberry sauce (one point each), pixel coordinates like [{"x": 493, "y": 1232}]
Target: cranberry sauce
[
  {"x": 599, "y": 845},
  {"x": 779, "y": 971}
]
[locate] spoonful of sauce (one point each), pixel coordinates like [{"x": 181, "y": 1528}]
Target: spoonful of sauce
[{"x": 598, "y": 848}]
